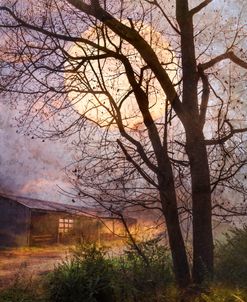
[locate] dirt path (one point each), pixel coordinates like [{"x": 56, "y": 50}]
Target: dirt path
[{"x": 28, "y": 263}]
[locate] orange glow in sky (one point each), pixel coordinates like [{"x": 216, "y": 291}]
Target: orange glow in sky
[{"x": 98, "y": 87}]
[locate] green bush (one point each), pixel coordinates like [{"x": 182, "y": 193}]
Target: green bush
[
  {"x": 90, "y": 276},
  {"x": 86, "y": 277},
  {"x": 142, "y": 277},
  {"x": 22, "y": 290},
  {"x": 231, "y": 259},
  {"x": 18, "y": 295}
]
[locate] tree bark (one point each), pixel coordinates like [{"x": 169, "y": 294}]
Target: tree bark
[
  {"x": 166, "y": 187},
  {"x": 176, "y": 241},
  {"x": 196, "y": 150},
  {"x": 201, "y": 207}
]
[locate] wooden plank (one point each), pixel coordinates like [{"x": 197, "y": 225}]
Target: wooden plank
[{"x": 39, "y": 238}]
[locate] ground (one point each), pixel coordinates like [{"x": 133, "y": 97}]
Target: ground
[{"x": 28, "y": 262}]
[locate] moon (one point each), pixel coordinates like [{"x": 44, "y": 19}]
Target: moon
[{"x": 98, "y": 87}]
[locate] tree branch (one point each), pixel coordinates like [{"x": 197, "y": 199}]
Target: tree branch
[
  {"x": 205, "y": 96},
  {"x": 227, "y": 55},
  {"x": 134, "y": 38},
  {"x": 37, "y": 28},
  {"x": 223, "y": 139},
  {"x": 155, "y": 2},
  {"x": 137, "y": 167},
  {"x": 198, "y": 8}
]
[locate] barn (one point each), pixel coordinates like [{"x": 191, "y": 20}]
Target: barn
[{"x": 31, "y": 222}]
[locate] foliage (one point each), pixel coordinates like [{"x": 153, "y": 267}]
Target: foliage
[
  {"x": 143, "y": 273},
  {"x": 14, "y": 295},
  {"x": 84, "y": 277},
  {"x": 231, "y": 258},
  {"x": 23, "y": 290},
  {"x": 90, "y": 275}
]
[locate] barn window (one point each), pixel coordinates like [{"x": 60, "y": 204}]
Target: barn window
[{"x": 65, "y": 224}]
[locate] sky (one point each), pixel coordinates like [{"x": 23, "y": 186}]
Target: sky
[{"x": 31, "y": 167}]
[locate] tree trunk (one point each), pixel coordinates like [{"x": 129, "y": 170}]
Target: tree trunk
[
  {"x": 201, "y": 207},
  {"x": 167, "y": 192},
  {"x": 176, "y": 241},
  {"x": 196, "y": 150}
]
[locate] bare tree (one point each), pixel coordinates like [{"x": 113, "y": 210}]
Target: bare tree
[{"x": 80, "y": 66}]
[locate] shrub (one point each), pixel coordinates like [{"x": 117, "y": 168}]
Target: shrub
[
  {"x": 14, "y": 294},
  {"x": 85, "y": 277},
  {"x": 90, "y": 276},
  {"x": 22, "y": 290},
  {"x": 231, "y": 258},
  {"x": 140, "y": 277}
]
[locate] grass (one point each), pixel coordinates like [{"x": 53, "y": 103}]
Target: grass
[
  {"x": 24, "y": 290},
  {"x": 38, "y": 293},
  {"x": 89, "y": 274}
]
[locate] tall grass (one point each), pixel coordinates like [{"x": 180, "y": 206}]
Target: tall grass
[
  {"x": 142, "y": 274},
  {"x": 90, "y": 276},
  {"x": 23, "y": 289},
  {"x": 231, "y": 259},
  {"x": 86, "y": 276}
]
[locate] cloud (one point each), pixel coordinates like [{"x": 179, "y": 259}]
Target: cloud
[{"x": 30, "y": 167}]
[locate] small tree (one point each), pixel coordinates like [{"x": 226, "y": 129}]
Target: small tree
[{"x": 82, "y": 65}]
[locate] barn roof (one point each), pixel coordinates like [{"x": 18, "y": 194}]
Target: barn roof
[{"x": 51, "y": 206}]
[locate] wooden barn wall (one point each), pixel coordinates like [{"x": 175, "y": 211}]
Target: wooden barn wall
[
  {"x": 44, "y": 228},
  {"x": 87, "y": 229},
  {"x": 14, "y": 223}
]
